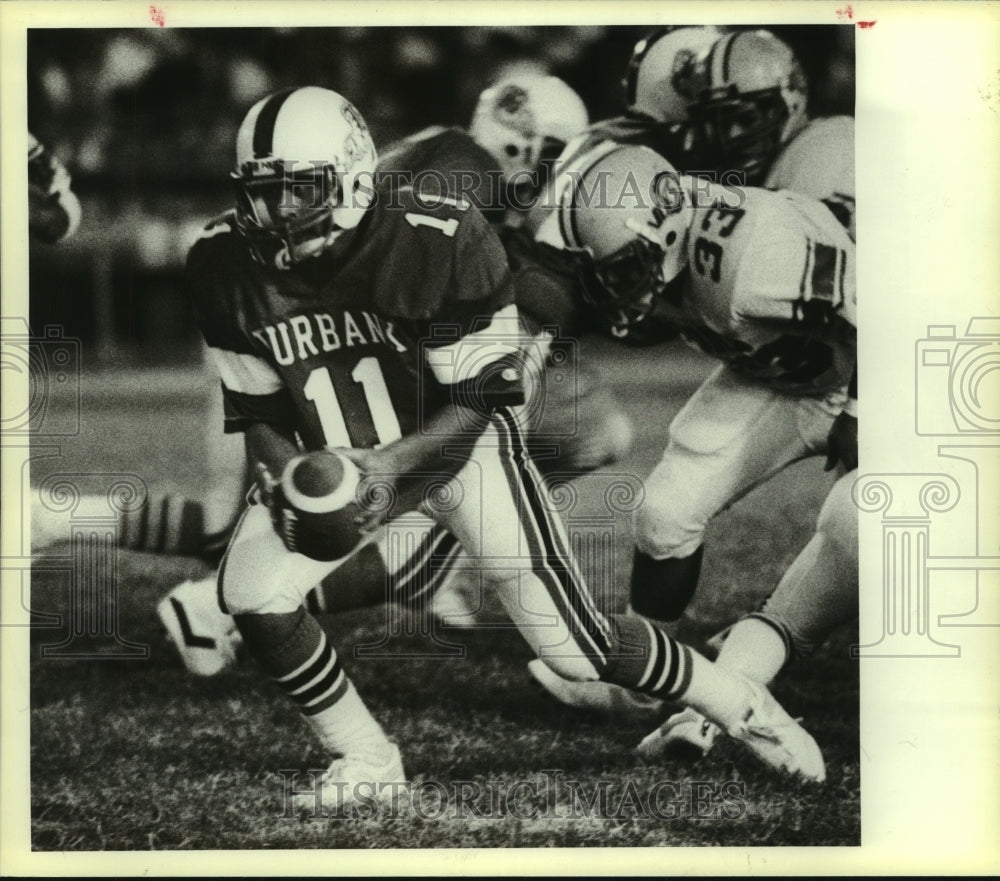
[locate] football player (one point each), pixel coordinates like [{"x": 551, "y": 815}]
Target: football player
[
  {"x": 662, "y": 79},
  {"x": 377, "y": 324},
  {"x": 750, "y": 115},
  {"x": 670, "y": 249},
  {"x": 739, "y": 110},
  {"x": 519, "y": 126},
  {"x": 53, "y": 208}
]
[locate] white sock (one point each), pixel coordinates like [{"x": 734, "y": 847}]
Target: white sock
[
  {"x": 755, "y": 649},
  {"x": 348, "y": 728},
  {"x": 715, "y": 692}
]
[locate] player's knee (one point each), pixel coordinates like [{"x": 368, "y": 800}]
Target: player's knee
[
  {"x": 662, "y": 589},
  {"x": 662, "y": 529},
  {"x": 254, "y": 594},
  {"x": 250, "y": 580}
]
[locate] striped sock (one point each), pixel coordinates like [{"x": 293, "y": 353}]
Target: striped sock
[
  {"x": 296, "y": 654},
  {"x": 671, "y": 670}
]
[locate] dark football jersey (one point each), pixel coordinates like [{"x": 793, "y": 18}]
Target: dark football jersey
[
  {"x": 438, "y": 160},
  {"x": 545, "y": 279},
  {"x": 356, "y": 346}
]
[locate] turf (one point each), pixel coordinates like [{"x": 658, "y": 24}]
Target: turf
[{"x": 136, "y": 754}]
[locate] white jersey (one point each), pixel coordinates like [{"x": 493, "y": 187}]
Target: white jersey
[
  {"x": 819, "y": 162},
  {"x": 771, "y": 291}
]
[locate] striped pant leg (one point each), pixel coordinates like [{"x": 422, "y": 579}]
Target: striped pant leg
[{"x": 512, "y": 535}]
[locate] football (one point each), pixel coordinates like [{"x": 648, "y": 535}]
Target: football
[{"x": 318, "y": 518}]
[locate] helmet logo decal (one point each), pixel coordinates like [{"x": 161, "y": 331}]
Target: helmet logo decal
[
  {"x": 357, "y": 144},
  {"x": 686, "y": 78},
  {"x": 668, "y": 195},
  {"x": 511, "y": 109}
]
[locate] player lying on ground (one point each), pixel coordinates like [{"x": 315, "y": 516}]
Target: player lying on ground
[
  {"x": 368, "y": 321},
  {"x": 668, "y": 250}
]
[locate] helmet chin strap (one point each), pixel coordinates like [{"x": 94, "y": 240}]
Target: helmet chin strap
[{"x": 283, "y": 259}]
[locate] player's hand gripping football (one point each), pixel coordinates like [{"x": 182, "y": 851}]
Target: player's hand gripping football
[
  {"x": 379, "y": 490},
  {"x": 313, "y": 507},
  {"x": 842, "y": 443}
]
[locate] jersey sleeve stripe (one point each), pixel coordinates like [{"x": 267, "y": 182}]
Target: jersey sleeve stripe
[
  {"x": 246, "y": 374},
  {"x": 468, "y": 356}
]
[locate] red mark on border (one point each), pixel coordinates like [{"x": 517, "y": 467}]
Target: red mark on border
[
  {"x": 847, "y": 13},
  {"x": 156, "y": 14},
  {"x": 866, "y": 24}
]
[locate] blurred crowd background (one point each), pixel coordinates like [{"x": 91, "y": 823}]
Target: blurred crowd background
[{"x": 145, "y": 120}]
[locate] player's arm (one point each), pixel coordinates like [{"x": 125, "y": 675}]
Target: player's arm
[
  {"x": 818, "y": 300},
  {"x": 255, "y": 399}
]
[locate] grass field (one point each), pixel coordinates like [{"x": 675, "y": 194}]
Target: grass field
[{"x": 136, "y": 754}]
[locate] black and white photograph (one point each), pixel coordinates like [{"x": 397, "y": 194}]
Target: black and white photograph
[{"x": 433, "y": 436}]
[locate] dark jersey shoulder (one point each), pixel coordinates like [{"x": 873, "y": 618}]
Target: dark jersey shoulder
[
  {"x": 446, "y": 160},
  {"x": 546, "y": 284},
  {"x": 413, "y": 259},
  {"x": 220, "y": 275},
  {"x": 431, "y": 255}
]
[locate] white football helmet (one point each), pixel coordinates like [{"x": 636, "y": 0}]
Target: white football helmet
[
  {"x": 624, "y": 207},
  {"x": 524, "y": 121},
  {"x": 305, "y": 171},
  {"x": 753, "y": 101},
  {"x": 665, "y": 73}
]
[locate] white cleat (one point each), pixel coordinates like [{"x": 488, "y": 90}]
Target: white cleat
[
  {"x": 603, "y": 697},
  {"x": 205, "y": 636},
  {"x": 686, "y": 735},
  {"x": 776, "y": 738},
  {"x": 355, "y": 782}
]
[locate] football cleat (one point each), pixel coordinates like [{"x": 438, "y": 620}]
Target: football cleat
[
  {"x": 205, "y": 636},
  {"x": 687, "y": 736},
  {"x": 353, "y": 782},
  {"x": 776, "y": 738},
  {"x": 602, "y": 697}
]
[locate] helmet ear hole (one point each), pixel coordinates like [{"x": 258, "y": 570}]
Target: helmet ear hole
[
  {"x": 671, "y": 237},
  {"x": 512, "y": 150}
]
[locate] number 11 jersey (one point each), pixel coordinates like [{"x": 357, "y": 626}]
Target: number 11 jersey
[{"x": 356, "y": 347}]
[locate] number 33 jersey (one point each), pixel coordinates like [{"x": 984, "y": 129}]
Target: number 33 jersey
[
  {"x": 771, "y": 290},
  {"x": 356, "y": 346}
]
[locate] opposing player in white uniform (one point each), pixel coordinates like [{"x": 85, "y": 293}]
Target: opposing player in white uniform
[
  {"x": 819, "y": 591},
  {"x": 782, "y": 326},
  {"x": 744, "y": 112}
]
